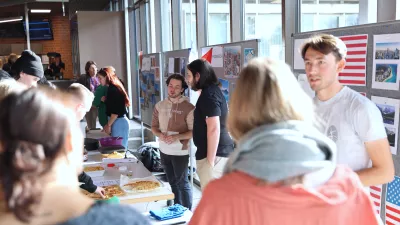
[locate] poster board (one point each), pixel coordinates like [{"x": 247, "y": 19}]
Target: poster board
[
  {"x": 150, "y": 78},
  {"x": 174, "y": 62},
  {"x": 372, "y": 30},
  {"x": 228, "y": 60}
]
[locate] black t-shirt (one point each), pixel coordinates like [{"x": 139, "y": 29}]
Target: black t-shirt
[
  {"x": 115, "y": 102},
  {"x": 57, "y": 69},
  {"x": 211, "y": 103}
]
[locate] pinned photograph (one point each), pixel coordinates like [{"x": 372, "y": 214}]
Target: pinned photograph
[
  {"x": 224, "y": 86},
  {"x": 388, "y": 112},
  {"x": 390, "y": 50},
  {"x": 232, "y": 61},
  {"x": 386, "y": 73}
]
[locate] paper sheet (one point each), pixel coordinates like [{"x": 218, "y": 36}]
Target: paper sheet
[
  {"x": 386, "y": 62},
  {"x": 171, "y": 65},
  {"x": 146, "y": 64},
  {"x": 298, "y": 63},
  {"x": 389, "y": 109},
  {"x": 106, "y": 183},
  {"x": 303, "y": 81}
]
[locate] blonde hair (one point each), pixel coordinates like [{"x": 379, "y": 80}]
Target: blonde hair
[
  {"x": 81, "y": 93},
  {"x": 266, "y": 92},
  {"x": 8, "y": 86}
]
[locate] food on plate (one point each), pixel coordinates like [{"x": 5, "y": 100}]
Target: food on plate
[
  {"x": 114, "y": 155},
  {"x": 111, "y": 191},
  {"x": 93, "y": 168},
  {"x": 146, "y": 185}
]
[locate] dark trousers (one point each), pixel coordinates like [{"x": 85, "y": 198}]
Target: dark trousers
[{"x": 176, "y": 169}]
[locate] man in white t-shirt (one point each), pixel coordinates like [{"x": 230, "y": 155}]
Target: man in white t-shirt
[{"x": 351, "y": 120}]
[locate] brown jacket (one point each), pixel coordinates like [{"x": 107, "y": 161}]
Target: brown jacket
[{"x": 175, "y": 117}]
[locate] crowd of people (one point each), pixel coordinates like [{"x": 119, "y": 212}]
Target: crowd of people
[{"x": 275, "y": 157}]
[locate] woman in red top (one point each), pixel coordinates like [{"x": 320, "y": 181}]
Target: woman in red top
[{"x": 283, "y": 170}]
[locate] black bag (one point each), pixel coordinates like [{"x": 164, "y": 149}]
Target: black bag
[{"x": 150, "y": 157}]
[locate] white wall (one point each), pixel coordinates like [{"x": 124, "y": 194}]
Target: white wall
[{"x": 102, "y": 39}]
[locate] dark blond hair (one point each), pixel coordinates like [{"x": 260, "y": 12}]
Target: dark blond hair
[
  {"x": 266, "y": 92},
  {"x": 326, "y": 44},
  {"x": 82, "y": 94}
]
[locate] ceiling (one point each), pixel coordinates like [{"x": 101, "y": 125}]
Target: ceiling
[{"x": 10, "y": 8}]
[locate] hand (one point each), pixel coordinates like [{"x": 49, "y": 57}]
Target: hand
[
  {"x": 103, "y": 99},
  {"x": 107, "y": 129},
  {"x": 163, "y": 137},
  {"x": 171, "y": 139},
  {"x": 211, "y": 161},
  {"x": 101, "y": 192}
]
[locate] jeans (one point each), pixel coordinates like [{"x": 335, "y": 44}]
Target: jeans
[
  {"x": 176, "y": 169},
  {"x": 120, "y": 128}
]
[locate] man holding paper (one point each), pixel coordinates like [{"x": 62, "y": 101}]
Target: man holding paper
[{"x": 172, "y": 123}]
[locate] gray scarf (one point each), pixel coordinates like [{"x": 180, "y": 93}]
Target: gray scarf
[{"x": 282, "y": 150}]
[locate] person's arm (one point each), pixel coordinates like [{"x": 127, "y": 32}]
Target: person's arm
[
  {"x": 382, "y": 170},
  {"x": 368, "y": 123},
  {"x": 213, "y": 133},
  {"x": 88, "y": 182},
  {"x": 107, "y": 127},
  {"x": 155, "y": 124}
]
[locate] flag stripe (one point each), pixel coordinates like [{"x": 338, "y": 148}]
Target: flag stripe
[
  {"x": 375, "y": 195},
  {"x": 389, "y": 223},
  {"x": 352, "y": 81},
  {"x": 375, "y": 188},
  {"x": 355, "y": 37},
  {"x": 352, "y": 74},
  {"x": 355, "y": 68},
  {"x": 351, "y": 78},
  {"x": 393, "y": 217},
  {"x": 377, "y": 204},
  {"x": 356, "y": 60},
  {"x": 357, "y": 45},
  {"x": 356, "y": 52},
  {"x": 388, "y": 207}
]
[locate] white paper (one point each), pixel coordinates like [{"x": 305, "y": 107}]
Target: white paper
[
  {"x": 103, "y": 183},
  {"x": 303, "y": 81},
  {"x": 45, "y": 59},
  {"x": 389, "y": 108},
  {"x": 171, "y": 65},
  {"x": 298, "y": 62},
  {"x": 217, "y": 57},
  {"x": 146, "y": 64},
  {"x": 386, "y": 62},
  {"x": 173, "y": 146}
]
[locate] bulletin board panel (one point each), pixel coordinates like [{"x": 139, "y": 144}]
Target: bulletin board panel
[
  {"x": 175, "y": 62},
  {"x": 228, "y": 60},
  {"x": 150, "y": 78},
  {"x": 381, "y": 58}
]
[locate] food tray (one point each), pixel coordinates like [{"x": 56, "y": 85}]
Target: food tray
[
  {"x": 94, "y": 173},
  {"x": 111, "y": 191},
  {"x": 126, "y": 183}
]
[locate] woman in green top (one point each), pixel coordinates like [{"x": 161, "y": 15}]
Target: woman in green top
[{"x": 99, "y": 99}]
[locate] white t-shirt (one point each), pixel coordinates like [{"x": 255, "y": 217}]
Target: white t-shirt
[{"x": 350, "y": 120}]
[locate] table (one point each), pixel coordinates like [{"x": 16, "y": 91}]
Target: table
[{"x": 139, "y": 171}]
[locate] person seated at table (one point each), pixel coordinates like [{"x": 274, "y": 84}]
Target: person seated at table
[
  {"x": 283, "y": 170},
  {"x": 83, "y": 103},
  {"x": 40, "y": 158}
]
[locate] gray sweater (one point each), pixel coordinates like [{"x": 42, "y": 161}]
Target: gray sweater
[{"x": 102, "y": 213}]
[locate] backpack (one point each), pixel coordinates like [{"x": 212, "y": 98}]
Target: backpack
[{"x": 150, "y": 157}]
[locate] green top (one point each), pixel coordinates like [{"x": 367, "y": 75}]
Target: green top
[{"x": 100, "y": 92}]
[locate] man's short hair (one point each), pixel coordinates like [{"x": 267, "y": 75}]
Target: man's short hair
[
  {"x": 326, "y": 44},
  {"x": 81, "y": 93},
  {"x": 177, "y": 76}
]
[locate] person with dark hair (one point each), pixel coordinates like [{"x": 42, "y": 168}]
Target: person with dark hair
[
  {"x": 91, "y": 82},
  {"x": 41, "y": 156},
  {"x": 352, "y": 121},
  {"x": 172, "y": 123},
  {"x": 210, "y": 135},
  {"x": 57, "y": 67},
  {"x": 117, "y": 101},
  {"x": 11, "y": 60},
  {"x": 28, "y": 69}
]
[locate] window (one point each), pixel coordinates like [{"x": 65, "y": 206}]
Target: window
[
  {"x": 219, "y": 30},
  {"x": 188, "y": 26},
  {"x": 265, "y": 26},
  {"x": 327, "y": 14},
  {"x": 166, "y": 24}
]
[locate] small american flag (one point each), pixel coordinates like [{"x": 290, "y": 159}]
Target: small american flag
[
  {"x": 392, "y": 216},
  {"x": 354, "y": 73},
  {"x": 376, "y": 195}
]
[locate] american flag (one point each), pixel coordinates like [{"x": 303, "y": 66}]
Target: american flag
[
  {"x": 376, "y": 195},
  {"x": 355, "y": 70},
  {"x": 392, "y": 216}
]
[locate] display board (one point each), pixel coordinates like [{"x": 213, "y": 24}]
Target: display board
[
  {"x": 372, "y": 68},
  {"x": 174, "y": 63},
  {"x": 228, "y": 60},
  {"x": 150, "y": 78}
]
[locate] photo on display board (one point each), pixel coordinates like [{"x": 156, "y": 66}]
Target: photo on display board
[
  {"x": 232, "y": 61},
  {"x": 146, "y": 64},
  {"x": 249, "y": 54},
  {"x": 224, "y": 86},
  {"x": 157, "y": 73},
  {"x": 157, "y": 89},
  {"x": 389, "y": 109},
  {"x": 183, "y": 67},
  {"x": 386, "y": 61},
  {"x": 177, "y": 65},
  {"x": 153, "y": 61}
]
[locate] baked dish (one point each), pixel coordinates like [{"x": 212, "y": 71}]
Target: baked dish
[
  {"x": 114, "y": 155},
  {"x": 142, "y": 186},
  {"x": 93, "y": 168},
  {"x": 111, "y": 191}
]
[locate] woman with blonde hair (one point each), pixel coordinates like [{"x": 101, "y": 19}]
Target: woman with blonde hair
[{"x": 283, "y": 170}]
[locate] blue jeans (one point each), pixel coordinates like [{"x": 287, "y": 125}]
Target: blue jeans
[
  {"x": 120, "y": 128},
  {"x": 176, "y": 169}
]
